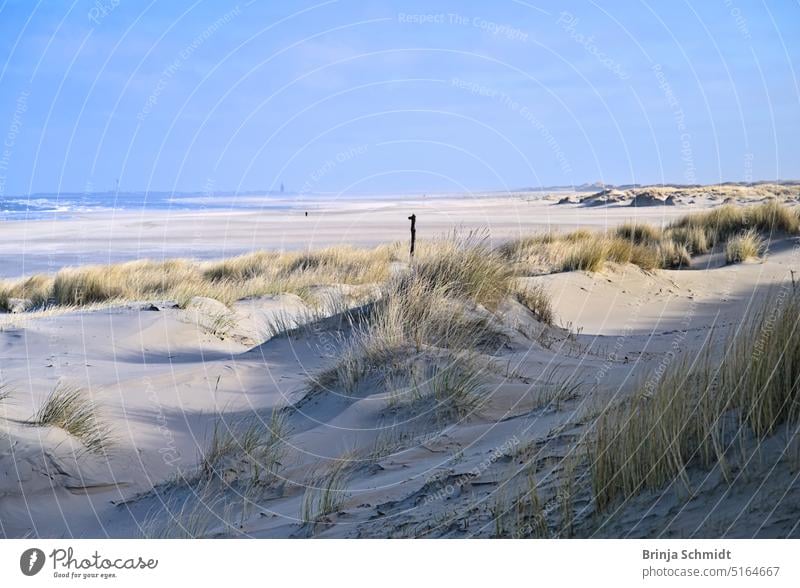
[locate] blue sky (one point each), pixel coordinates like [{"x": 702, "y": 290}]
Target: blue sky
[{"x": 359, "y": 96}]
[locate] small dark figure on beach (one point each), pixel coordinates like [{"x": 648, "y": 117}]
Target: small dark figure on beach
[{"x": 306, "y": 213}]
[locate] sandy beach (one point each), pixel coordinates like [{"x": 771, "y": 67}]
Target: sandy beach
[
  {"x": 47, "y": 245},
  {"x": 504, "y": 276},
  {"x": 173, "y": 385}
]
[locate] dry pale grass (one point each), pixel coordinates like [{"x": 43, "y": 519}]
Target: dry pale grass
[
  {"x": 584, "y": 255},
  {"x": 242, "y": 460},
  {"x": 256, "y": 274},
  {"x": 694, "y": 414},
  {"x": 592, "y": 254},
  {"x": 579, "y": 235},
  {"x": 744, "y": 246},
  {"x": 411, "y": 320},
  {"x": 326, "y": 492},
  {"x": 249, "y": 452},
  {"x": 745, "y": 192},
  {"x": 535, "y": 298},
  {"x": 463, "y": 267},
  {"x": 565, "y": 496},
  {"x": 673, "y": 255},
  {"x": 520, "y": 248},
  {"x": 639, "y": 233},
  {"x": 581, "y": 250},
  {"x": 442, "y": 303},
  {"x": 722, "y": 223},
  {"x": 555, "y": 388},
  {"x": 472, "y": 269},
  {"x": 68, "y": 408},
  {"x": 695, "y": 239},
  {"x": 523, "y": 517},
  {"x": 457, "y": 388},
  {"x": 647, "y": 246},
  {"x": 36, "y": 289}
]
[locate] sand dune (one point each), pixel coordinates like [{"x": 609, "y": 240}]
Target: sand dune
[{"x": 228, "y": 421}]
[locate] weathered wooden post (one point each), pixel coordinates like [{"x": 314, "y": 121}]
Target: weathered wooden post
[{"x": 413, "y": 219}]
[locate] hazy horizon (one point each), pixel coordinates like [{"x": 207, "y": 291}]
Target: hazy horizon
[{"x": 222, "y": 192}]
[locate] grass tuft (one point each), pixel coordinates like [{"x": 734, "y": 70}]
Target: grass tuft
[
  {"x": 326, "y": 493},
  {"x": 441, "y": 303},
  {"x": 695, "y": 239},
  {"x": 463, "y": 267},
  {"x": 458, "y": 389},
  {"x": 639, "y": 234},
  {"x": 693, "y": 413},
  {"x": 248, "y": 451},
  {"x": 68, "y": 408},
  {"x": 744, "y": 246},
  {"x": 584, "y": 256},
  {"x": 535, "y": 298},
  {"x": 722, "y": 223},
  {"x": 523, "y": 517},
  {"x": 672, "y": 255}
]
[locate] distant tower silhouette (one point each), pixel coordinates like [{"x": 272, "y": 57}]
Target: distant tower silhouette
[{"x": 281, "y": 187}]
